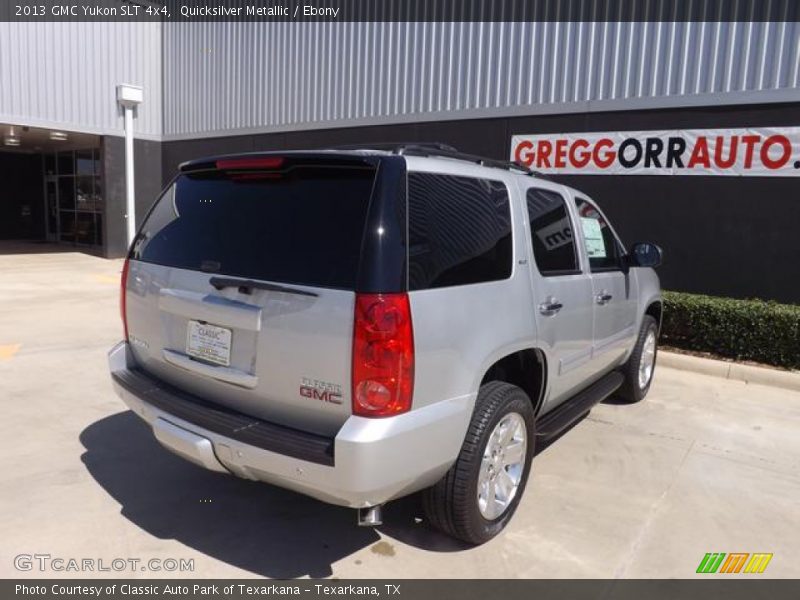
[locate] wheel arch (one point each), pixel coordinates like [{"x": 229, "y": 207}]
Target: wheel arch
[
  {"x": 525, "y": 368},
  {"x": 656, "y": 310}
]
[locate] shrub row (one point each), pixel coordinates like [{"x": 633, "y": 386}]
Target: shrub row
[{"x": 757, "y": 330}]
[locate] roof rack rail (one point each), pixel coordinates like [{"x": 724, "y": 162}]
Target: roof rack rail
[
  {"x": 415, "y": 150},
  {"x": 438, "y": 149}
]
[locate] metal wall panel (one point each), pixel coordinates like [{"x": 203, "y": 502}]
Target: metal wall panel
[
  {"x": 225, "y": 78},
  {"x": 64, "y": 74},
  {"x": 243, "y": 77}
]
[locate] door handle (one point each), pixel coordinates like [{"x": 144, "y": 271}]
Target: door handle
[
  {"x": 603, "y": 297},
  {"x": 550, "y": 307}
]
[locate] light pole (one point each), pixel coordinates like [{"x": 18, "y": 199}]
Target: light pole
[{"x": 129, "y": 97}]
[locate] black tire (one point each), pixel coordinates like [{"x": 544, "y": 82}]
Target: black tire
[
  {"x": 631, "y": 391},
  {"x": 452, "y": 504}
]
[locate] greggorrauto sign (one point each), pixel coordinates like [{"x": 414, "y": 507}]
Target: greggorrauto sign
[{"x": 763, "y": 151}]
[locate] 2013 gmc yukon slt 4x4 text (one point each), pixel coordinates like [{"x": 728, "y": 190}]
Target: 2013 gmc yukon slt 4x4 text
[{"x": 362, "y": 324}]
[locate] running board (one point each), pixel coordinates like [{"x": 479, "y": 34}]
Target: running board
[{"x": 564, "y": 415}]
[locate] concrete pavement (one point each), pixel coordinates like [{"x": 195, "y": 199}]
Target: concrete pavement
[
  {"x": 727, "y": 369},
  {"x": 704, "y": 464}
]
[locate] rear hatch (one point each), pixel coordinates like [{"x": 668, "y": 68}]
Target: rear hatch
[{"x": 241, "y": 284}]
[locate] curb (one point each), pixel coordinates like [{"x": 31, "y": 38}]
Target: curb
[{"x": 789, "y": 380}]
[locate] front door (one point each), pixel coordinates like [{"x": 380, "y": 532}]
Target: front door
[{"x": 613, "y": 296}]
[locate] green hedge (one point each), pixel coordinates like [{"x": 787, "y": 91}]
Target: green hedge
[{"x": 756, "y": 330}]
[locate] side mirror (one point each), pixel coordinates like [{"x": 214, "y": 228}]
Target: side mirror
[{"x": 645, "y": 254}]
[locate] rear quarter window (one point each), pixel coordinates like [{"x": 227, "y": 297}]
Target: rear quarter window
[
  {"x": 305, "y": 226},
  {"x": 459, "y": 231}
]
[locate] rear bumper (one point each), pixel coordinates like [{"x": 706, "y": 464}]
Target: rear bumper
[{"x": 368, "y": 462}]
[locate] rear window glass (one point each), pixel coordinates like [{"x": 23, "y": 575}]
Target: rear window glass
[
  {"x": 459, "y": 231},
  {"x": 303, "y": 227}
]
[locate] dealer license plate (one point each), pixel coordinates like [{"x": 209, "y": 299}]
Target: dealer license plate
[{"x": 209, "y": 343}]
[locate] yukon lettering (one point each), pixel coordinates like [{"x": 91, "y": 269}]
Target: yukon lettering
[{"x": 321, "y": 390}]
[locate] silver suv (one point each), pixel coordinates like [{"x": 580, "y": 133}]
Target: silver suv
[{"x": 362, "y": 324}]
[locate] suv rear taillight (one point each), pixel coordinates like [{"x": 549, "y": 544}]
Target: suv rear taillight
[
  {"x": 383, "y": 355},
  {"x": 122, "y": 301}
]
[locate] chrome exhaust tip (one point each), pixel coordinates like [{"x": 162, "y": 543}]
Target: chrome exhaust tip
[{"x": 370, "y": 516}]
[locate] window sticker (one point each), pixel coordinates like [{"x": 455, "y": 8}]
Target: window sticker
[{"x": 593, "y": 234}]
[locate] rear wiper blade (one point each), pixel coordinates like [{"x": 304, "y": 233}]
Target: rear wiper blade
[{"x": 247, "y": 285}]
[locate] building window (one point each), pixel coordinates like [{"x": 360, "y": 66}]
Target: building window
[{"x": 78, "y": 201}]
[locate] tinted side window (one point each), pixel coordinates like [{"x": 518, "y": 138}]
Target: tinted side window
[
  {"x": 459, "y": 231},
  {"x": 551, "y": 233},
  {"x": 601, "y": 244}
]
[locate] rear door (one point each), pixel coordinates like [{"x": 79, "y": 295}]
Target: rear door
[
  {"x": 561, "y": 293},
  {"x": 241, "y": 286},
  {"x": 614, "y": 290}
]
